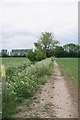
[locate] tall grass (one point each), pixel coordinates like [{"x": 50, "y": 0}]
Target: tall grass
[{"x": 23, "y": 82}]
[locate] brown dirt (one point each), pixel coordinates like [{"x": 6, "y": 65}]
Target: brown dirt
[{"x": 53, "y": 101}]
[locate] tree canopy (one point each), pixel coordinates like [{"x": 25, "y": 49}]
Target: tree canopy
[{"x": 46, "y": 42}]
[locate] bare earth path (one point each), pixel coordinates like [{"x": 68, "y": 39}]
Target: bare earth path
[{"x": 53, "y": 101}]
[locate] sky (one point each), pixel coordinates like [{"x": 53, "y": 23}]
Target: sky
[{"x": 23, "y": 21}]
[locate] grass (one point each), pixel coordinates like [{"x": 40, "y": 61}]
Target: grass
[
  {"x": 13, "y": 61},
  {"x": 70, "y": 65}
]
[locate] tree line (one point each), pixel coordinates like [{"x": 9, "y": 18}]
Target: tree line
[
  {"x": 45, "y": 47},
  {"x": 14, "y": 53}
]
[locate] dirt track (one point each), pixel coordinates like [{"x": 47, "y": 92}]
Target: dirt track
[{"x": 54, "y": 100}]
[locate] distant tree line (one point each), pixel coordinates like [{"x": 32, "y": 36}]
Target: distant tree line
[
  {"x": 14, "y": 53},
  {"x": 45, "y": 47}
]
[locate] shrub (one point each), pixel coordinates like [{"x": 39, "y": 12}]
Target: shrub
[{"x": 23, "y": 83}]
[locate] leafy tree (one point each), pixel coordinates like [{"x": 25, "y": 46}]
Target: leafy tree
[
  {"x": 78, "y": 50},
  {"x": 18, "y": 52},
  {"x": 31, "y": 55},
  {"x": 39, "y": 55},
  {"x": 46, "y": 42},
  {"x": 4, "y": 53},
  {"x": 36, "y": 55},
  {"x": 59, "y": 51},
  {"x": 72, "y": 50},
  {"x": 70, "y": 47}
]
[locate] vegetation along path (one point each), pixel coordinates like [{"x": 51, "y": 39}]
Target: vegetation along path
[{"x": 53, "y": 101}]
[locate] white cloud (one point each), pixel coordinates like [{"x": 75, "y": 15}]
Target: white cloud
[
  {"x": 39, "y": 1},
  {"x": 24, "y": 20},
  {"x": 19, "y": 42}
]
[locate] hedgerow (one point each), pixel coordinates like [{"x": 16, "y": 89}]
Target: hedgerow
[{"x": 23, "y": 81}]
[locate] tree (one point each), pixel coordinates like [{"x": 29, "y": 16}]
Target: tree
[
  {"x": 31, "y": 55},
  {"x": 70, "y": 47},
  {"x": 4, "y": 53},
  {"x": 72, "y": 50},
  {"x": 46, "y": 42},
  {"x": 59, "y": 51},
  {"x": 39, "y": 55},
  {"x": 18, "y": 52}
]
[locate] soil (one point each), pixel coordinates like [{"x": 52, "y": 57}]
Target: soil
[{"x": 53, "y": 101}]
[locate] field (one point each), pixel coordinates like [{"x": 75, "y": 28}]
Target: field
[
  {"x": 71, "y": 66},
  {"x": 14, "y": 61}
]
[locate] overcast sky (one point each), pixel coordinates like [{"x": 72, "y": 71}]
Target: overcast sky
[{"x": 22, "y": 21}]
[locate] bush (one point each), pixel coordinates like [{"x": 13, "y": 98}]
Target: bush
[
  {"x": 23, "y": 83},
  {"x": 31, "y": 55},
  {"x": 37, "y": 55}
]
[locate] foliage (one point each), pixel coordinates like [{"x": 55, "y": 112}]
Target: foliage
[
  {"x": 45, "y": 47},
  {"x": 58, "y": 51},
  {"x": 31, "y": 55},
  {"x": 18, "y": 52},
  {"x": 14, "y": 53},
  {"x": 46, "y": 43},
  {"x": 39, "y": 55},
  {"x": 68, "y": 50},
  {"x": 4, "y": 53},
  {"x": 23, "y": 81},
  {"x": 71, "y": 50},
  {"x": 36, "y": 55}
]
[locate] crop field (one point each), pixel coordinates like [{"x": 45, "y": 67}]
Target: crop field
[
  {"x": 71, "y": 65},
  {"x": 23, "y": 79},
  {"x": 14, "y": 61}
]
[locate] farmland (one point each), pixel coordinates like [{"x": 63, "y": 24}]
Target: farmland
[
  {"x": 70, "y": 65},
  {"x": 14, "y": 61}
]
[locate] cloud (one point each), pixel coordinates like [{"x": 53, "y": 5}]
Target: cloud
[
  {"x": 40, "y": 1},
  {"x": 24, "y": 20},
  {"x": 17, "y": 38},
  {"x": 19, "y": 42}
]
